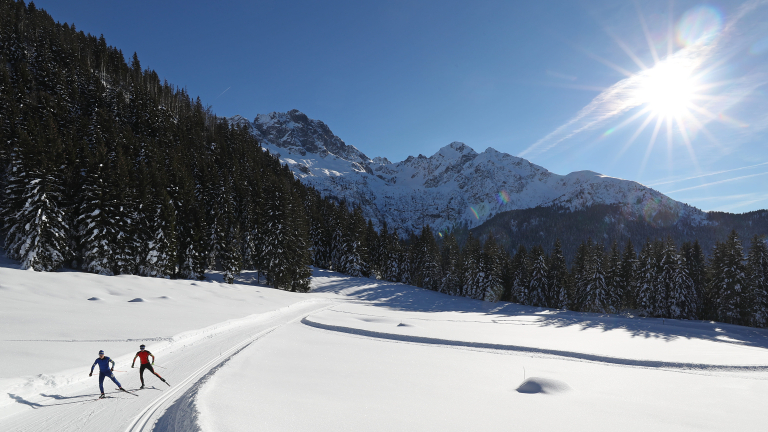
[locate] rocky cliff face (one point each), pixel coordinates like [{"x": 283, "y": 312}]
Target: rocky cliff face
[{"x": 455, "y": 186}]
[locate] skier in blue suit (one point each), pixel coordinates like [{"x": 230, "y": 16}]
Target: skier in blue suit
[{"x": 105, "y": 371}]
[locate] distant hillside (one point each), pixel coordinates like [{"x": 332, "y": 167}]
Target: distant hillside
[{"x": 608, "y": 223}]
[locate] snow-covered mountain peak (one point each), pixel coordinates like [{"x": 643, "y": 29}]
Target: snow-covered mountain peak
[
  {"x": 300, "y": 135},
  {"x": 455, "y": 150},
  {"x": 454, "y": 186}
]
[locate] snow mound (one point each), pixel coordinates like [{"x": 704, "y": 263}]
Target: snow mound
[
  {"x": 404, "y": 325},
  {"x": 543, "y": 385},
  {"x": 136, "y": 300},
  {"x": 164, "y": 297},
  {"x": 94, "y": 299}
]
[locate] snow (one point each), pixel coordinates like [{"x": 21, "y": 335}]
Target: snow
[
  {"x": 359, "y": 354},
  {"x": 313, "y": 379}
]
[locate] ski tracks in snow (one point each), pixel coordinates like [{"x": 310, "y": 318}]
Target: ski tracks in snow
[
  {"x": 534, "y": 351},
  {"x": 189, "y": 360}
]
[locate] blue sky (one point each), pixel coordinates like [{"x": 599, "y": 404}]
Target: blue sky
[{"x": 568, "y": 85}]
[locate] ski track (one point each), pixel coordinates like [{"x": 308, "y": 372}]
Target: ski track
[
  {"x": 567, "y": 355},
  {"x": 185, "y": 363}
]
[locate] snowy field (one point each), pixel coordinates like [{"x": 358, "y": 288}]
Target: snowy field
[{"x": 356, "y": 354}]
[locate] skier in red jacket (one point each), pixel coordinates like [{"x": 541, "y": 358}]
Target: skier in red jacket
[{"x": 145, "y": 364}]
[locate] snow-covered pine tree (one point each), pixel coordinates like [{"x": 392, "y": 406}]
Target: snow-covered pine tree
[
  {"x": 450, "y": 265},
  {"x": 665, "y": 273},
  {"x": 614, "y": 278},
  {"x": 96, "y": 232},
  {"x": 230, "y": 258},
  {"x": 427, "y": 258},
  {"x": 520, "y": 276},
  {"x": 35, "y": 224},
  {"x": 471, "y": 257},
  {"x": 405, "y": 265},
  {"x": 341, "y": 248},
  {"x": 757, "y": 287},
  {"x": 695, "y": 262},
  {"x": 393, "y": 253},
  {"x": 682, "y": 296},
  {"x": 578, "y": 275},
  {"x": 131, "y": 237},
  {"x": 160, "y": 260},
  {"x": 628, "y": 276},
  {"x": 539, "y": 282},
  {"x": 189, "y": 220},
  {"x": 646, "y": 280},
  {"x": 593, "y": 290},
  {"x": 191, "y": 228},
  {"x": 286, "y": 240},
  {"x": 381, "y": 255},
  {"x": 298, "y": 244},
  {"x": 324, "y": 225},
  {"x": 557, "y": 288},
  {"x": 214, "y": 196},
  {"x": 579, "y": 272},
  {"x": 372, "y": 246},
  {"x": 355, "y": 260},
  {"x": 491, "y": 262},
  {"x": 728, "y": 279},
  {"x": 10, "y": 112}
]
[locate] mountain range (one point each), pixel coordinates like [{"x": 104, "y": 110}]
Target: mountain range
[{"x": 458, "y": 188}]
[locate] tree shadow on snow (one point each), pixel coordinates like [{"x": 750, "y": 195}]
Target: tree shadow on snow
[{"x": 400, "y": 297}]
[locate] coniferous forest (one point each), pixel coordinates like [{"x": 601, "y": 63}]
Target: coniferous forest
[{"x": 107, "y": 168}]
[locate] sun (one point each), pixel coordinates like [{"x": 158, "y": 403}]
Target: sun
[{"x": 667, "y": 90}]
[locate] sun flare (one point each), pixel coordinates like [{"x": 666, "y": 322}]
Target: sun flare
[{"x": 667, "y": 90}]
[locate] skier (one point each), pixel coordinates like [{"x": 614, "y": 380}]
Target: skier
[
  {"x": 144, "y": 356},
  {"x": 105, "y": 371}
]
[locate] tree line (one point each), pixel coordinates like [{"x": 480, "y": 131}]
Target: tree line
[{"x": 662, "y": 280}]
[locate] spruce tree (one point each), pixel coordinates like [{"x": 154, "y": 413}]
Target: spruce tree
[
  {"x": 695, "y": 261},
  {"x": 539, "y": 282},
  {"x": 558, "y": 279},
  {"x": 471, "y": 257},
  {"x": 393, "y": 252},
  {"x": 665, "y": 273},
  {"x": 592, "y": 290},
  {"x": 427, "y": 260},
  {"x": 683, "y": 298},
  {"x": 628, "y": 276},
  {"x": 520, "y": 276},
  {"x": 756, "y": 296},
  {"x": 729, "y": 279},
  {"x": 35, "y": 223},
  {"x": 490, "y": 280},
  {"x": 96, "y": 232},
  {"x": 450, "y": 266},
  {"x": 614, "y": 279},
  {"x": 160, "y": 260}
]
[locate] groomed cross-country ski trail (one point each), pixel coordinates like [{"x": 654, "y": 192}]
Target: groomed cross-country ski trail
[{"x": 188, "y": 358}]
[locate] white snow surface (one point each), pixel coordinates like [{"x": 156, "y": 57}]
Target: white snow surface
[
  {"x": 454, "y": 186},
  {"x": 359, "y": 354}
]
